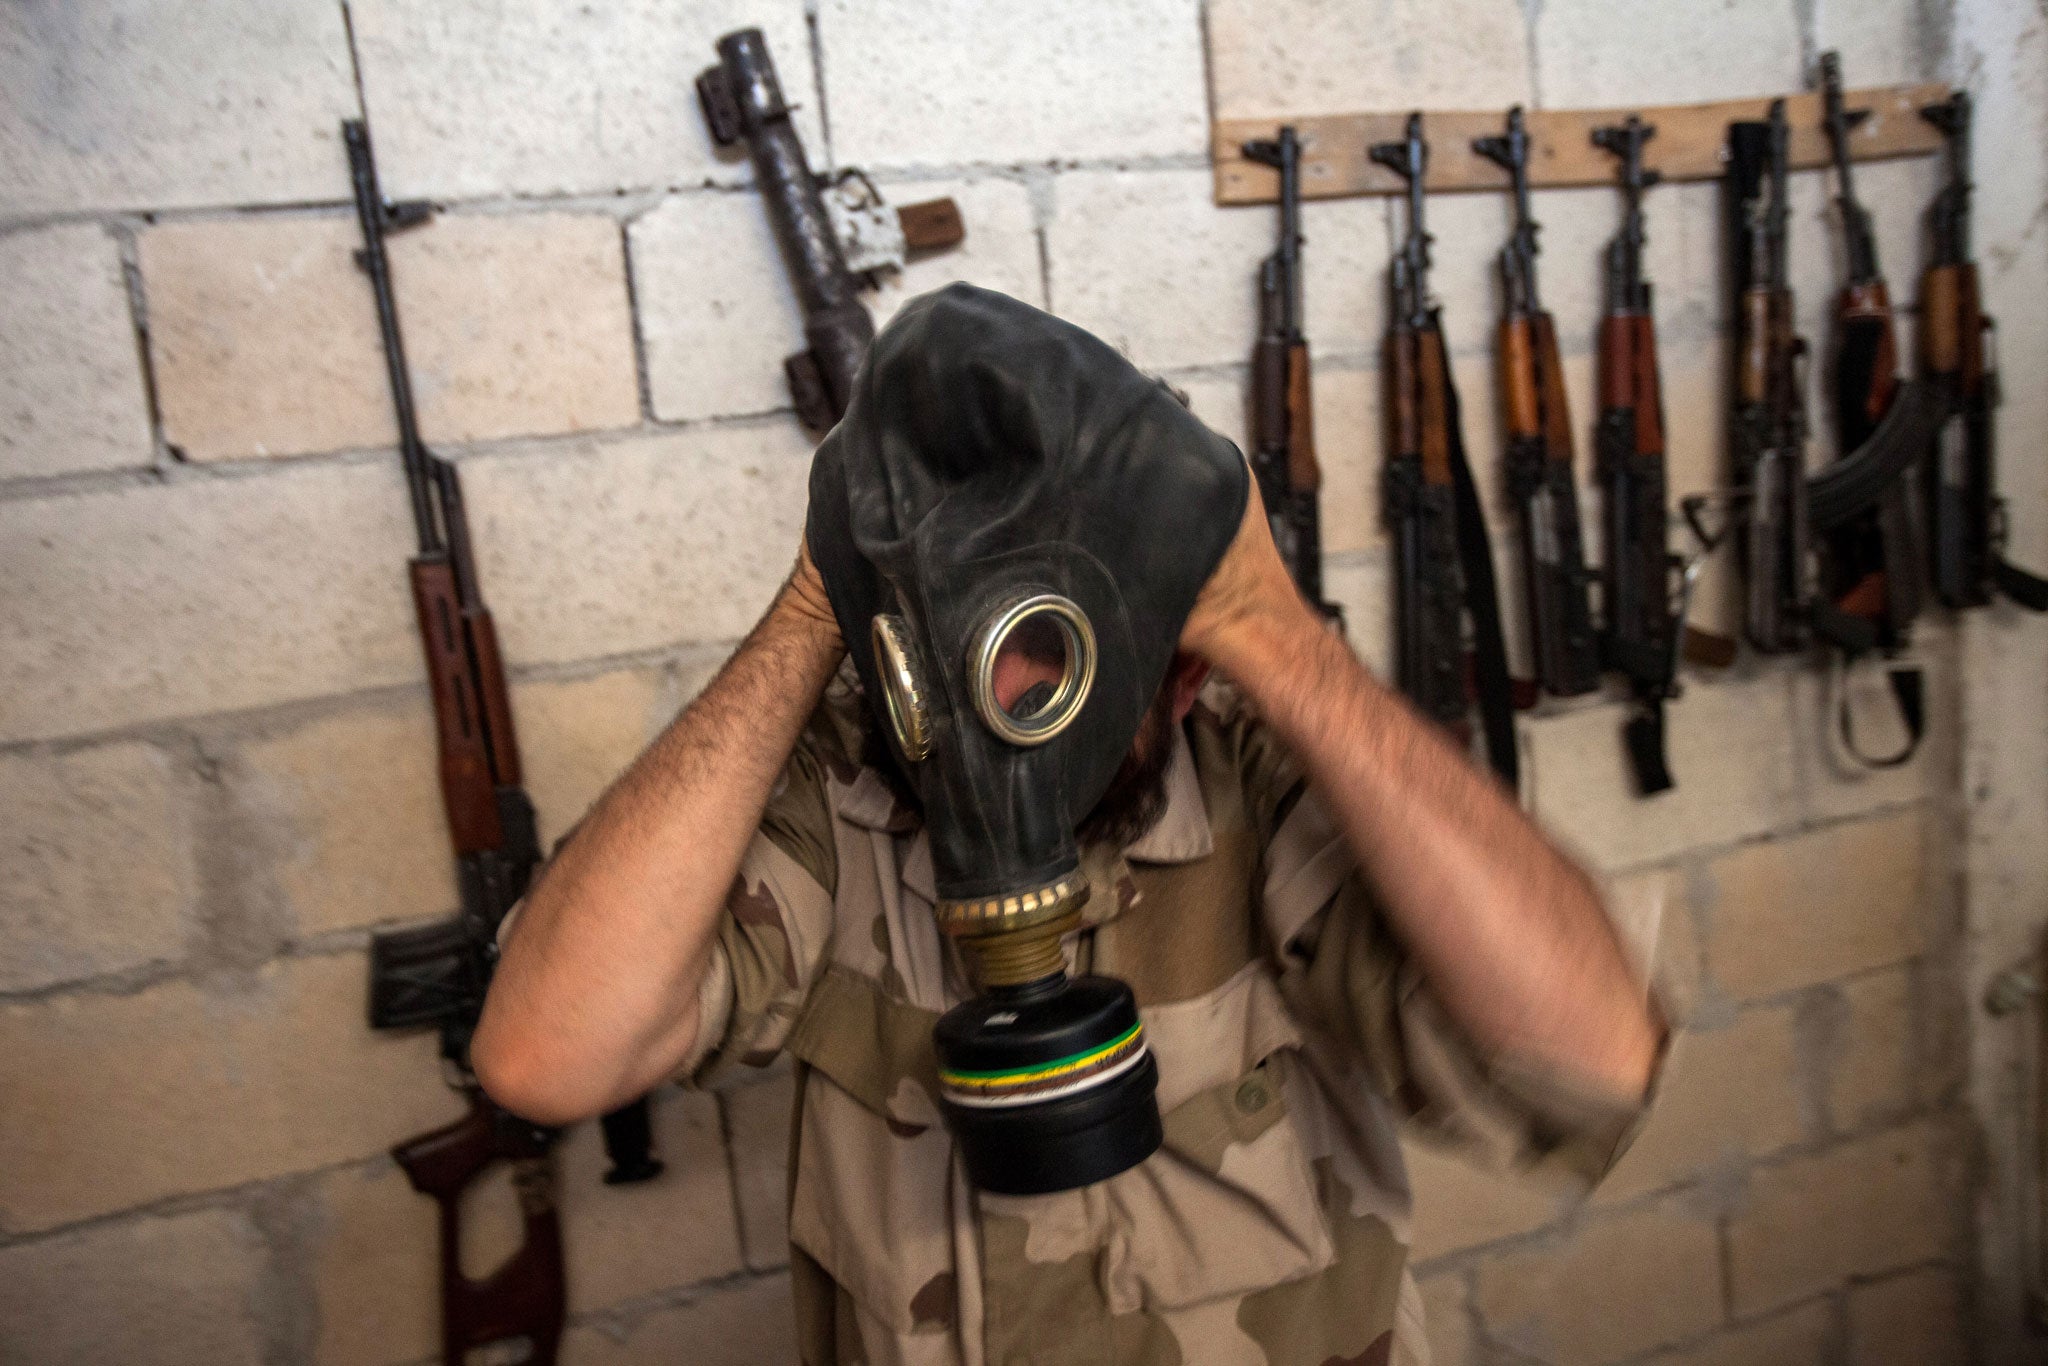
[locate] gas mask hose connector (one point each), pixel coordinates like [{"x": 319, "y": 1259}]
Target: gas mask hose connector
[{"x": 1011, "y": 960}]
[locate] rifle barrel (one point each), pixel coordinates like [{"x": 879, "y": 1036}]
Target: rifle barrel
[{"x": 370, "y": 212}]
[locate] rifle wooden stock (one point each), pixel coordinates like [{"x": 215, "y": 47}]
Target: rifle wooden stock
[
  {"x": 1304, "y": 475},
  {"x": 1404, "y": 394},
  {"x": 1557, "y": 416},
  {"x": 1521, "y": 407},
  {"x": 524, "y": 1297},
  {"x": 1432, "y": 407},
  {"x": 467, "y": 788},
  {"x": 497, "y": 698}
]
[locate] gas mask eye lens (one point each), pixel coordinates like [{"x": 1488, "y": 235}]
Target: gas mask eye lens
[
  {"x": 902, "y": 696},
  {"x": 1031, "y": 668}
]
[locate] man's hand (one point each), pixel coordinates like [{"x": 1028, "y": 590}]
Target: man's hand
[{"x": 1249, "y": 591}]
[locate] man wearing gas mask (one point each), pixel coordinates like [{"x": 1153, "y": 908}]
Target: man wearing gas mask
[{"x": 1107, "y": 987}]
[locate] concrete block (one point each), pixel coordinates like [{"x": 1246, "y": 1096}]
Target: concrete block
[
  {"x": 1308, "y": 57},
  {"x": 1125, "y": 246},
  {"x": 1350, "y": 446},
  {"x": 1446, "y": 1311},
  {"x": 1798, "y": 1337},
  {"x": 577, "y": 734},
  {"x": 1801, "y": 910},
  {"x": 920, "y": 84},
  {"x": 1856, "y": 1210},
  {"x": 376, "y": 1268},
  {"x": 1122, "y": 243},
  {"x": 70, "y": 374},
  {"x": 598, "y": 549},
  {"x": 628, "y": 1241},
  {"x": 1000, "y": 251},
  {"x": 1668, "y": 54},
  {"x": 1728, "y": 1093},
  {"x": 179, "y": 1290},
  {"x": 1907, "y": 1320},
  {"x": 739, "y": 1324},
  {"x": 1727, "y": 753},
  {"x": 1655, "y": 918},
  {"x": 100, "y": 867},
  {"x": 757, "y": 1117},
  {"x": 136, "y": 105},
  {"x": 180, "y": 1089},
  {"x": 1881, "y": 40},
  {"x": 1872, "y": 1064},
  {"x": 1459, "y": 1206},
  {"x": 355, "y": 797},
  {"x": 263, "y": 332},
  {"x": 715, "y": 338},
  {"x": 1618, "y": 1287},
  {"x": 536, "y": 99},
  {"x": 205, "y": 595},
  {"x": 1361, "y": 588}
]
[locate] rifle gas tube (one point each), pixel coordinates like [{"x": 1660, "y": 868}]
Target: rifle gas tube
[
  {"x": 1539, "y": 454},
  {"x": 743, "y": 102},
  {"x": 1965, "y": 515},
  {"x": 435, "y": 975},
  {"x": 1283, "y": 430},
  {"x": 1641, "y": 634},
  {"x": 1443, "y": 567}
]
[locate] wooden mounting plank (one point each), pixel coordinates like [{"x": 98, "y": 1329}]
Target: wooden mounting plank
[{"x": 1688, "y": 144}]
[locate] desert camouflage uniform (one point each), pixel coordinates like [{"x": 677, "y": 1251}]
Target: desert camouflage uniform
[{"x": 1290, "y": 1030}]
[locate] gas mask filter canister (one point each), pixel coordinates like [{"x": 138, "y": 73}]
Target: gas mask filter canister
[{"x": 1013, "y": 523}]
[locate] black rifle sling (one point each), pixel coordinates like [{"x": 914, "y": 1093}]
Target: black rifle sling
[
  {"x": 1644, "y": 738},
  {"x": 1482, "y": 600},
  {"x": 1908, "y": 692},
  {"x": 2028, "y": 590}
]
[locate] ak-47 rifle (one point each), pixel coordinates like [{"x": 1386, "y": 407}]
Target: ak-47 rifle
[
  {"x": 742, "y": 101},
  {"x": 1769, "y": 420},
  {"x": 435, "y": 975},
  {"x": 1966, "y": 517},
  {"x": 1539, "y": 454},
  {"x": 1871, "y": 565},
  {"x": 1283, "y": 430},
  {"x": 1642, "y": 631},
  {"x": 1443, "y": 565},
  {"x": 1782, "y": 510}
]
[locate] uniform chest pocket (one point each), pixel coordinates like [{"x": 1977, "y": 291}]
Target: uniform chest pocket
[
  {"x": 1229, "y": 1204},
  {"x": 871, "y": 1194}
]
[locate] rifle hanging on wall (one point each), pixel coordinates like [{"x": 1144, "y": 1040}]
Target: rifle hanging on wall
[
  {"x": 1443, "y": 569},
  {"x": 1643, "y": 619},
  {"x": 1965, "y": 514},
  {"x": 435, "y": 975},
  {"x": 1870, "y": 562},
  {"x": 1538, "y": 425},
  {"x": 1283, "y": 428},
  {"x": 833, "y": 247}
]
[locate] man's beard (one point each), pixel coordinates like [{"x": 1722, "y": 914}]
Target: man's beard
[{"x": 1136, "y": 796}]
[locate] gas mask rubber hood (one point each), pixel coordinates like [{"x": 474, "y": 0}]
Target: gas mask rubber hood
[
  {"x": 992, "y": 454},
  {"x": 1013, "y": 524}
]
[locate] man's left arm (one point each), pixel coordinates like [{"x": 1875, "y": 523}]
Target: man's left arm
[{"x": 1508, "y": 931}]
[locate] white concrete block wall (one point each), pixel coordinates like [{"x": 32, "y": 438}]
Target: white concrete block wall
[{"x": 214, "y": 764}]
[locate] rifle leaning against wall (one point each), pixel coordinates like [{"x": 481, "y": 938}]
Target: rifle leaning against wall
[
  {"x": 1966, "y": 517},
  {"x": 832, "y": 248},
  {"x": 435, "y": 975},
  {"x": 1539, "y": 454},
  {"x": 1283, "y": 424},
  {"x": 1443, "y": 564}
]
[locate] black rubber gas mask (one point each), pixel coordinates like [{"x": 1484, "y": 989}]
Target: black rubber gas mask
[{"x": 1013, "y": 523}]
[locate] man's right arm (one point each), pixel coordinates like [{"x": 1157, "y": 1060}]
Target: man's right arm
[{"x": 596, "y": 996}]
